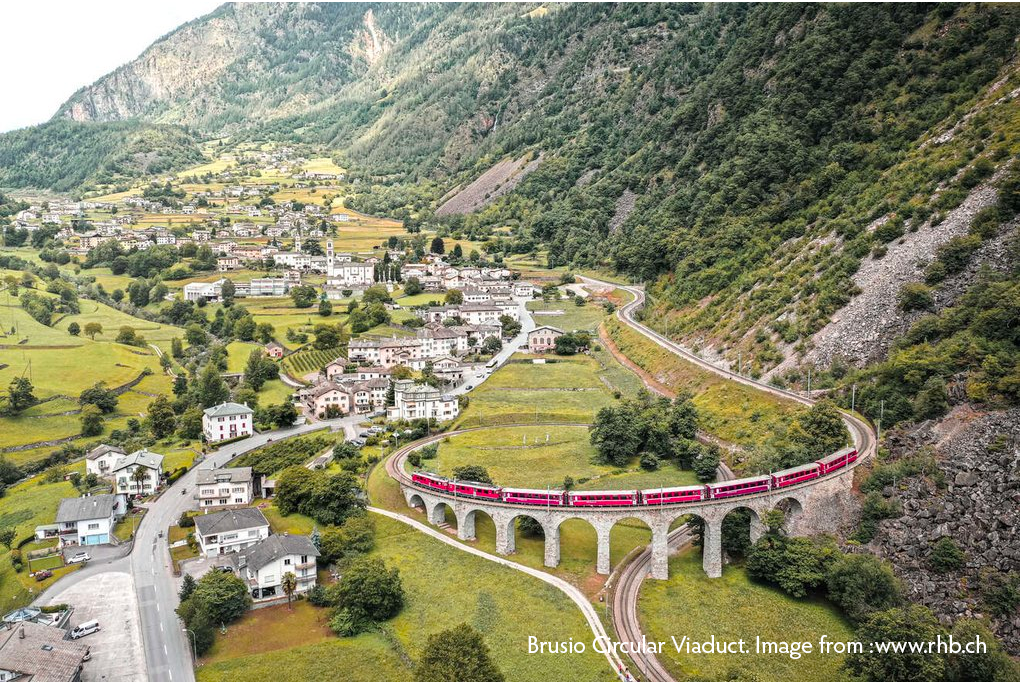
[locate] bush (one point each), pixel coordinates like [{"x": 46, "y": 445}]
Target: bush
[
  {"x": 861, "y": 584},
  {"x": 649, "y": 461},
  {"x": 916, "y": 297},
  {"x": 946, "y": 556}
]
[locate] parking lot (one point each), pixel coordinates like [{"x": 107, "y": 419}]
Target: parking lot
[{"x": 116, "y": 649}]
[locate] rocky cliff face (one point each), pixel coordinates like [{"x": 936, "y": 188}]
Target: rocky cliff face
[
  {"x": 978, "y": 507},
  {"x": 235, "y": 65}
]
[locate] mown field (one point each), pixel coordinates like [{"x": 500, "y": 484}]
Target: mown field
[
  {"x": 568, "y": 391},
  {"x": 538, "y": 457},
  {"x": 731, "y": 608},
  {"x": 572, "y": 318},
  {"x": 443, "y": 587},
  {"x": 729, "y": 410}
]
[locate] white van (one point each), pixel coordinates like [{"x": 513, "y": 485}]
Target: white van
[{"x": 84, "y": 629}]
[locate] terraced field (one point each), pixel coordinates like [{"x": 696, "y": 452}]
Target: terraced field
[{"x": 308, "y": 361}]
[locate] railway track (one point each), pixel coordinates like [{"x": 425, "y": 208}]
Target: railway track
[{"x": 624, "y": 595}]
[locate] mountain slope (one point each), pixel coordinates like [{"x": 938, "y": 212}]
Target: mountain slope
[{"x": 761, "y": 152}]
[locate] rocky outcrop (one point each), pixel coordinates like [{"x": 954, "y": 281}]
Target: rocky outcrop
[{"x": 978, "y": 506}]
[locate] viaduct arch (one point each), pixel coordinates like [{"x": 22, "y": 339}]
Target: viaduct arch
[{"x": 815, "y": 506}]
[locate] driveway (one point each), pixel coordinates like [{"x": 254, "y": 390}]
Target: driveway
[
  {"x": 197, "y": 567},
  {"x": 117, "y": 654},
  {"x": 99, "y": 553}
]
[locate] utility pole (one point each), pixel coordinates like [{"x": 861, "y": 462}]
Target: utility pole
[
  {"x": 809, "y": 383},
  {"x": 853, "y": 397},
  {"x": 881, "y": 415}
]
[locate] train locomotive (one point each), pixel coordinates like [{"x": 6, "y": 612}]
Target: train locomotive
[{"x": 634, "y": 497}]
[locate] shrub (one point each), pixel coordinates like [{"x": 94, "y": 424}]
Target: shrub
[{"x": 946, "y": 555}]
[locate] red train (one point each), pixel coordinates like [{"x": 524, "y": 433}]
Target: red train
[{"x": 645, "y": 497}]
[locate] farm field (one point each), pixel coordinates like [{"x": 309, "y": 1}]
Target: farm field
[
  {"x": 444, "y": 587},
  {"x": 548, "y": 456},
  {"x": 574, "y": 317},
  {"x": 568, "y": 391},
  {"x": 735, "y": 607},
  {"x": 733, "y": 412},
  {"x": 305, "y": 361}
]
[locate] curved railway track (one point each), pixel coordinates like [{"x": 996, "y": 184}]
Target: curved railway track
[{"x": 624, "y": 594}]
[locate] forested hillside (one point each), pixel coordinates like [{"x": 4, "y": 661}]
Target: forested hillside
[
  {"x": 63, "y": 155},
  {"x": 745, "y": 160}
]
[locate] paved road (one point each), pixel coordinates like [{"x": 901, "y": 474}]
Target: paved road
[{"x": 167, "y": 646}]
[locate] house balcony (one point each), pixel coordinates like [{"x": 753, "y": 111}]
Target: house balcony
[{"x": 305, "y": 566}]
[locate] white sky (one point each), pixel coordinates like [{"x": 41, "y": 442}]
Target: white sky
[{"x": 51, "y": 48}]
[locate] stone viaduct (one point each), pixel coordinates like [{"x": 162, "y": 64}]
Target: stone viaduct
[{"x": 815, "y": 506}]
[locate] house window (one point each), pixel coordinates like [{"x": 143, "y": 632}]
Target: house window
[
  {"x": 286, "y": 561},
  {"x": 93, "y": 526}
]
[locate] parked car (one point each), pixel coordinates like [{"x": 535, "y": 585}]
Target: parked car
[
  {"x": 40, "y": 575},
  {"x": 79, "y": 557},
  {"x": 84, "y": 629},
  {"x": 225, "y": 568}
]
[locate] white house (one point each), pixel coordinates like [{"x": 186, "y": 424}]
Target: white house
[
  {"x": 231, "y": 530},
  {"x": 227, "y": 421},
  {"x": 89, "y": 520},
  {"x": 126, "y": 473},
  {"x": 100, "y": 460},
  {"x": 412, "y": 401},
  {"x": 210, "y": 292},
  {"x": 264, "y": 564},
  {"x": 224, "y": 487}
]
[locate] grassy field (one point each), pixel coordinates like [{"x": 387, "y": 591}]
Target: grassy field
[
  {"x": 574, "y": 317},
  {"x": 237, "y": 355},
  {"x": 539, "y": 463},
  {"x": 569, "y": 391},
  {"x": 25, "y": 506},
  {"x": 733, "y": 607},
  {"x": 443, "y": 588},
  {"x": 731, "y": 411},
  {"x": 578, "y": 541}
]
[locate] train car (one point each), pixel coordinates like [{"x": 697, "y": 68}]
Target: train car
[
  {"x": 791, "y": 476},
  {"x": 747, "y": 485},
  {"x": 536, "y": 497},
  {"x": 615, "y": 497},
  {"x": 672, "y": 495},
  {"x": 478, "y": 490},
  {"x": 837, "y": 460},
  {"x": 432, "y": 481}
]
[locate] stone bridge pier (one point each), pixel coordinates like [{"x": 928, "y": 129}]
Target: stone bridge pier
[{"x": 818, "y": 506}]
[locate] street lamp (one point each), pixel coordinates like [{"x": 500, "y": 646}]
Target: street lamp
[{"x": 194, "y": 647}]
